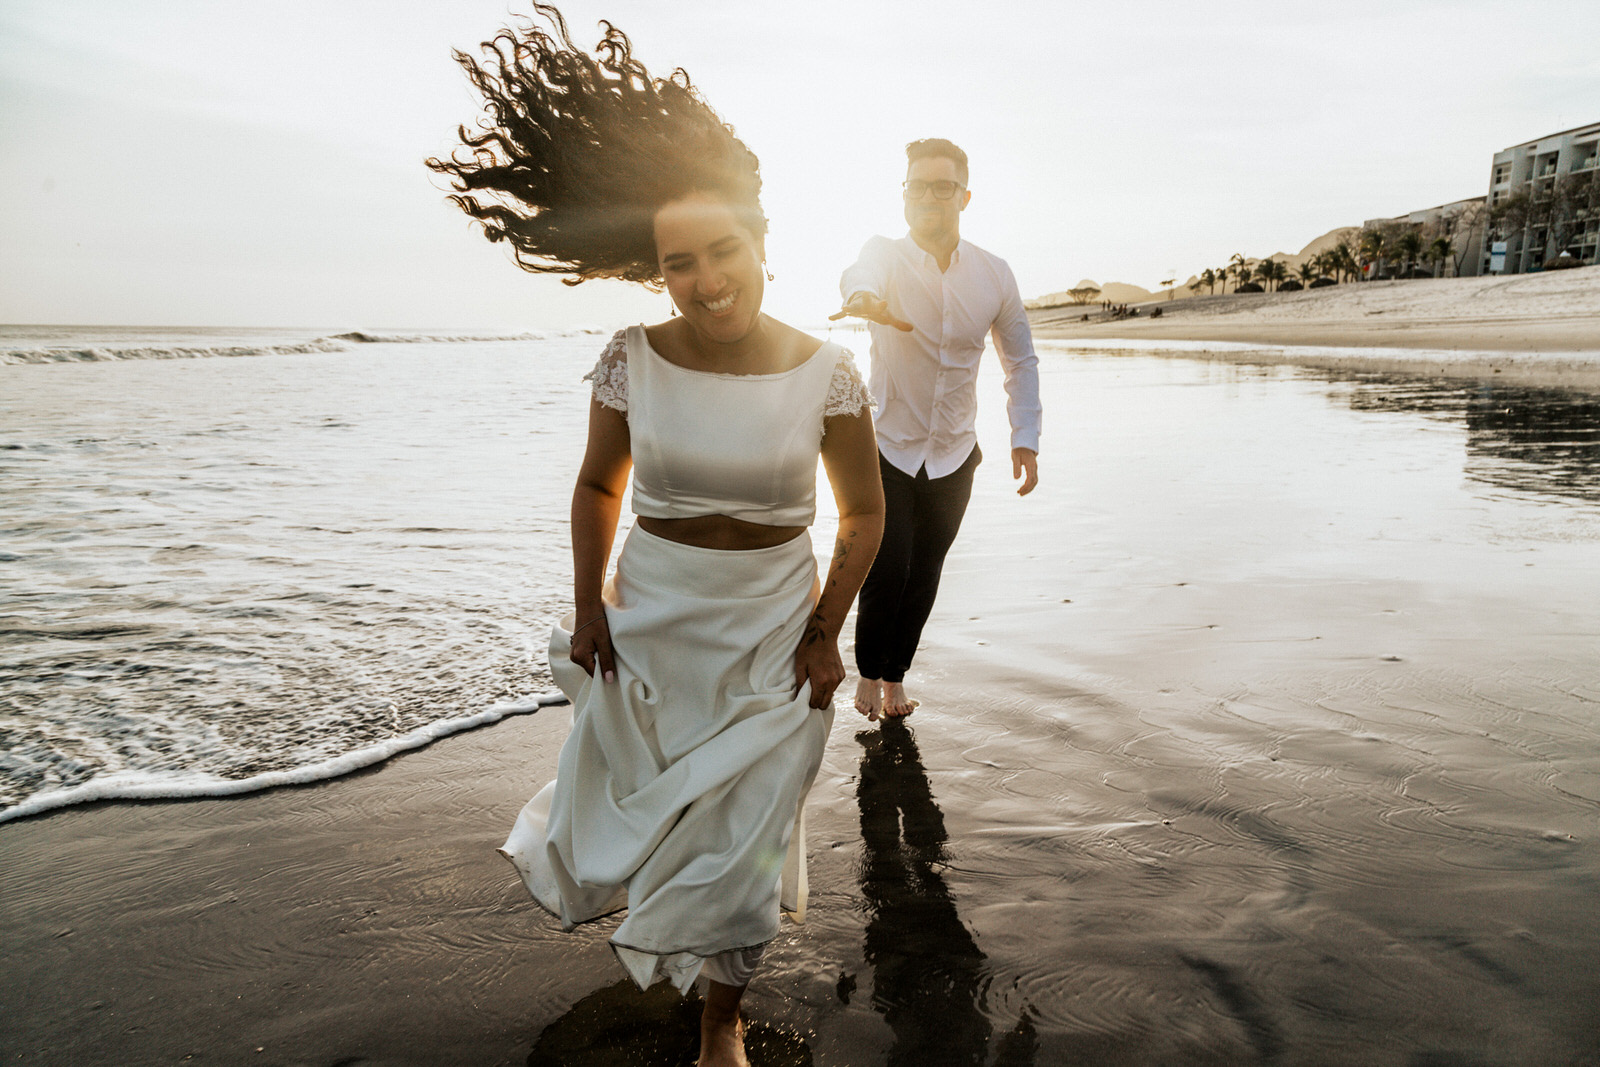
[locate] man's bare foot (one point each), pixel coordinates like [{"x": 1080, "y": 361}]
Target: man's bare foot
[
  {"x": 896, "y": 705},
  {"x": 721, "y": 1041},
  {"x": 869, "y": 698}
]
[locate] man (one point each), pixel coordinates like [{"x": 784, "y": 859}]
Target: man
[{"x": 930, "y": 298}]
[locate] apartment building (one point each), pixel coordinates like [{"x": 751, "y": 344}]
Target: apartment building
[
  {"x": 1547, "y": 219},
  {"x": 1461, "y": 221}
]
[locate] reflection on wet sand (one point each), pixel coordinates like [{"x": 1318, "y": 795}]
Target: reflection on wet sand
[
  {"x": 929, "y": 975},
  {"x": 1521, "y": 438}
]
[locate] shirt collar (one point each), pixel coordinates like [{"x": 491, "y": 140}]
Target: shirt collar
[{"x": 926, "y": 257}]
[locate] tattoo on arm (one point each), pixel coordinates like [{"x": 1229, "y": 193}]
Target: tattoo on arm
[{"x": 841, "y": 549}]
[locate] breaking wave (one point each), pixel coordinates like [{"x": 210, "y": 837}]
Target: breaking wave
[
  {"x": 158, "y": 785},
  {"x": 339, "y": 342}
]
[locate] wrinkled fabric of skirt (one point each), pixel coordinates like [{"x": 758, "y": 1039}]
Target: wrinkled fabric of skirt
[{"x": 680, "y": 790}]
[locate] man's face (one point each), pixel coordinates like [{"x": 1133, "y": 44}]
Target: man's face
[{"x": 927, "y": 215}]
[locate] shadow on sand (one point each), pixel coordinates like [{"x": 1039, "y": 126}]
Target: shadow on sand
[{"x": 928, "y": 973}]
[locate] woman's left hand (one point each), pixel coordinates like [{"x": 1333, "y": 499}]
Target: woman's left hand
[{"x": 817, "y": 661}]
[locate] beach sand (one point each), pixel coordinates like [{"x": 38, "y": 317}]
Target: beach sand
[
  {"x": 1536, "y": 328},
  {"x": 1262, "y": 732}
]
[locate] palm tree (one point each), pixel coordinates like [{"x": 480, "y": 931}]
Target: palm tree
[
  {"x": 1309, "y": 270},
  {"x": 1271, "y": 271},
  {"x": 1408, "y": 246},
  {"x": 1208, "y": 278},
  {"x": 1236, "y": 267},
  {"x": 1342, "y": 258},
  {"x": 1440, "y": 252},
  {"x": 1371, "y": 248}
]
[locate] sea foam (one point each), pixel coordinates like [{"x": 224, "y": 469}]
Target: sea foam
[{"x": 151, "y": 785}]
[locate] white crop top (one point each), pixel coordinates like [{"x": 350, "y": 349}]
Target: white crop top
[{"x": 741, "y": 445}]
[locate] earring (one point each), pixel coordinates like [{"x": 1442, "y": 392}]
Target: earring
[{"x": 769, "y": 275}]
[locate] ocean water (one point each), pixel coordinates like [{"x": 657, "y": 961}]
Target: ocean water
[
  {"x": 218, "y": 574},
  {"x": 1266, "y": 731}
]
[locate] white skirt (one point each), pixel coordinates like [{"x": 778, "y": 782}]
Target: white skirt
[{"x": 681, "y": 787}]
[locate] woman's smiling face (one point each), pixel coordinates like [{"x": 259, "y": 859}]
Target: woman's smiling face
[{"x": 712, "y": 266}]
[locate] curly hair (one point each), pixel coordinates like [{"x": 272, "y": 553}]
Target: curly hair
[{"x": 575, "y": 154}]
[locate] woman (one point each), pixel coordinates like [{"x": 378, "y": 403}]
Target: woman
[{"x": 701, "y": 675}]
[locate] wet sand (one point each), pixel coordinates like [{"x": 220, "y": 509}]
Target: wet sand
[
  {"x": 1536, "y": 328},
  {"x": 1263, "y": 733}
]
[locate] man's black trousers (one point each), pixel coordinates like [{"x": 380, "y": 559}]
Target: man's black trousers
[{"x": 921, "y": 518}]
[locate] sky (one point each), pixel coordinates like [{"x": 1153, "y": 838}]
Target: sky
[{"x": 202, "y": 162}]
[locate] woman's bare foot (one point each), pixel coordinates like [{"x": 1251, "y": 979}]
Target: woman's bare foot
[
  {"x": 896, "y": 705},
  {"x": 869, "y": 698},
  {"x": 721, "y": 1029}
]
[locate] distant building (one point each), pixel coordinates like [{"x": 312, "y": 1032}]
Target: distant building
[
  {"x": 1460, "y": 220},
  {"x": 1531, "y": 236}
]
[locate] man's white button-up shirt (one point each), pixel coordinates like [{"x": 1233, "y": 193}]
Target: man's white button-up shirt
[{"x": 925, "y": 381}]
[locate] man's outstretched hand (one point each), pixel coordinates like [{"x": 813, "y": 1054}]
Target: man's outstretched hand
[
  {"x": 1025, "y": 462},
  {"x": 866, "y": 306}
]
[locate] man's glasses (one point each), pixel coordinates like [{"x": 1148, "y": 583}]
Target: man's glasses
[{"x": 942, "y": 190}]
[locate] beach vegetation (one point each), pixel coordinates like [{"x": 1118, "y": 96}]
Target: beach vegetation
[
  {"x": 1391, "y": 249},
  {"x": 1386, "y": 249},
  {"x": 1407, "y": 247},
  {"x": 1509, "y": 216},
  {"x": 1370, "y": 247},
  {"x": 1569, "y": 215},
  {"x": 1439, "y": 252},
  {"x": 1341, "y": 263},
  {"x": 1457, "y": 229},
  {"x": 1239, "y": 269},
  {"x": 1271, "y": 273}
]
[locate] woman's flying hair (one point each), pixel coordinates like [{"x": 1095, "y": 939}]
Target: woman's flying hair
[{"x": 575, "y": 154}]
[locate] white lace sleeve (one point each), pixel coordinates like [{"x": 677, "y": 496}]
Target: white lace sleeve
[
  {"x": 847, "y": 393},
  {"x": 610, "y": 375}
]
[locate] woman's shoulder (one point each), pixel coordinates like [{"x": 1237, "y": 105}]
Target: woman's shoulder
[
  {"x": 609, "y": 378},
  {"x": 847, "y": 392}
]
